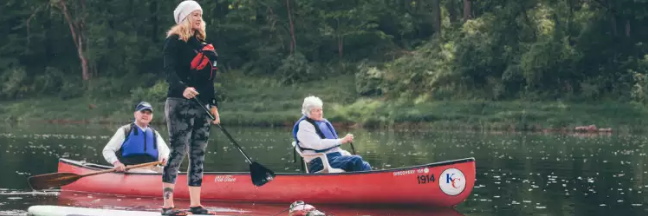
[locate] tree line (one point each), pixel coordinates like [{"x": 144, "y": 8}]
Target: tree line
[{"x": 431, "y": 49}]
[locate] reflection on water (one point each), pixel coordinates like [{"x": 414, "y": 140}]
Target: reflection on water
[
  {"x": 517, "y": 173},
  {"x": 87, "y": 200},
  {"x": 153, "y": 204}
]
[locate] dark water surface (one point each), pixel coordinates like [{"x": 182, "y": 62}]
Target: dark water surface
[{"x": 517, "y": 173}]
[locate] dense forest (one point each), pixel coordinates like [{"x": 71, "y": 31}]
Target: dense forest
[{"x": 430, "y": 50}]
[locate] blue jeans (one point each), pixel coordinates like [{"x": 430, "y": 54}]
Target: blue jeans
[{"x": 336, "y": 160}]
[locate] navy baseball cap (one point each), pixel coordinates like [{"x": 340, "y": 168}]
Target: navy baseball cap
[{"x": 144, "y": 106}]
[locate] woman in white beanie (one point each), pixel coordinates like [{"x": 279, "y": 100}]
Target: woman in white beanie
[{"x": 189, "y": 66}]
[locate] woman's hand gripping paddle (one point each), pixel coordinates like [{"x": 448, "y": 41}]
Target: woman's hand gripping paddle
[
  {"x": 52, "y": 180},
  {"x": 260, "y": 174}
]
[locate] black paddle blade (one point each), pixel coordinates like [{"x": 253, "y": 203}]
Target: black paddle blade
[
  {"x": 47, "y": 181},
  {"x": 260, "y": 174}
]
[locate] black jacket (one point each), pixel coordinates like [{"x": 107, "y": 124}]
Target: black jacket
[{"x": 177, "y": 56}]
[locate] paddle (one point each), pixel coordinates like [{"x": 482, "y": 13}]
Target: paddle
[
  {"x": 353, "y": 149},
  {"x": 51, "y": 180},
  {"x": 260, "y": 174}
]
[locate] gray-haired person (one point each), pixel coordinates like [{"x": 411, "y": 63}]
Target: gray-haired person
[{"x": 314, "y": 134}]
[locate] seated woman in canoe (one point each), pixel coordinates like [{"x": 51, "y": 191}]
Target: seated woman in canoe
[
  {"x": 137, "y": 143},
  {"x": 314, "y": 134}
]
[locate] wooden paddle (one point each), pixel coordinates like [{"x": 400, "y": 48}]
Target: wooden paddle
[
  {"x": 51, "y": 180},
  {"x": 260, "y": 174}
]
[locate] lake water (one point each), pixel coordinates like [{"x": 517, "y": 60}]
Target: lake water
[{"x": 517, "y": 173}]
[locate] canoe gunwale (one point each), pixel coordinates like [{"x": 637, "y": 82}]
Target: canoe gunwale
[{"x": 97, "y": 167}]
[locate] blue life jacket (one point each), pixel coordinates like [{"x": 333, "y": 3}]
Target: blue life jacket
[
  {"x": 324, "y": 129},
  {"x": 139, "y": 146}
]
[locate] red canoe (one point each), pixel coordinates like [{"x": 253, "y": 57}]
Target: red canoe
[{"x": 440, "y": 184}]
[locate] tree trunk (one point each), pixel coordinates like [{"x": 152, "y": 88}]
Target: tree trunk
[
  {"x": 91, "y": 69},
  {"x": 48, "y": 37},
  {"x": 293, "y": 44},
  {"x": 614, "y": 24},
  {"x": 154, "y": 9},
  {"x": 78, "y": 38},
  {"x": 528, "y": 21},
  {"x": 111, "y": 24},
  {"x": 571, "y": 18},
  {"x": 436, "y": 13},
  {"x": 627, "y": 28},
  {"x": 340, "y": 46},
  {"x": 28, "y": 21},
  {"x": 339, "y": 37},
  {"x": 452, "y": 13},
  {"x": 467, "y": 10}
]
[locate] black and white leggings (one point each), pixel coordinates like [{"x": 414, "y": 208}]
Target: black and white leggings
[{"x": 188, "y": 126}]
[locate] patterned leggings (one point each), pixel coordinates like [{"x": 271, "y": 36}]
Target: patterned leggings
[{"x": 188, "y": 126}]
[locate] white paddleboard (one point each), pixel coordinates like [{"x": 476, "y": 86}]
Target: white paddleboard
[{"x": 51, "y": 210}]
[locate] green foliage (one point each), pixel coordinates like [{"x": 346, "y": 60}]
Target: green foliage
[
  {"x": 156, "y": 93},
  {"x": 262, "y": 101},
  {"x": 15, "y": 83},
  {"x": 639, "y": 91},
  {"x": 531, "y": 50},
  {"x": 296, "y": 68},
  {"x": 368, "y": 80}
]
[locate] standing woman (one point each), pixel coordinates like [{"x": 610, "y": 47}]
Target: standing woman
[{"x": 188, "y": 62}]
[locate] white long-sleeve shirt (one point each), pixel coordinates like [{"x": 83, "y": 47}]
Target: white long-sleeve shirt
[
  {"x": 308, "y": 138},
  {"x": 115, "y": 143}
]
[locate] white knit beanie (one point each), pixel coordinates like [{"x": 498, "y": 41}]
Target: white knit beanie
[{"x": 184, "y": 9}]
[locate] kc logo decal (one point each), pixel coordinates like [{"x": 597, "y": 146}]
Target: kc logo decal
[{"x": 452, "y": 181}]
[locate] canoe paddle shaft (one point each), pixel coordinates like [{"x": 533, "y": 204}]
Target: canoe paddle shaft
[
  {"x": 260, "y": 175},
  {"x": 224, "y": 131},
  {"x": 52, "y": 180}
]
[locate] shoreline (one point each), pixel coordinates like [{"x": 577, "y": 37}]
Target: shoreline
[
  {"x": 345, "y": 125},
  {"x": 441, "y": 124}
]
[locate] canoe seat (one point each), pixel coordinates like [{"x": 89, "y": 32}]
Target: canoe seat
[{"x": 327, "y": 167}]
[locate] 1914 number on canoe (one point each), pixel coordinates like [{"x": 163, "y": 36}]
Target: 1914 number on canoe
[{"x": 424, "y": 179}]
